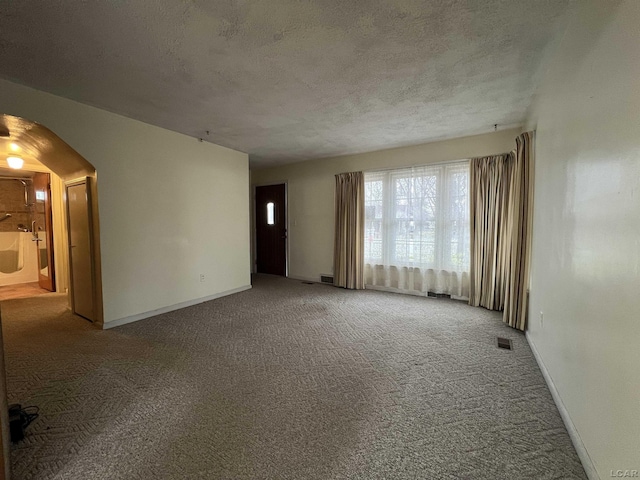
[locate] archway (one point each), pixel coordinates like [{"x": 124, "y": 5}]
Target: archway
[{"x": 43, "y": 151}]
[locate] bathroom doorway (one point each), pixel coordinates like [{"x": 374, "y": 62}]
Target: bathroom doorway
[{"x": 26, "y": 234}]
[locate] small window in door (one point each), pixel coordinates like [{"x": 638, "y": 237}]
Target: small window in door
[{"x": 270, "y": 214}]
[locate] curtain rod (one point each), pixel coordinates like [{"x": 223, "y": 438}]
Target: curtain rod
[{"x": 446, "y": 162}]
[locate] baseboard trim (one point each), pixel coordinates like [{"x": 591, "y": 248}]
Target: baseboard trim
[
  {"x": 171, "y": 308},
  {"x": 583, "y": 454}
]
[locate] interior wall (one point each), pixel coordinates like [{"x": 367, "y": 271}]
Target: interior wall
[
  {"x": 311, "y": 191},
  {"x": 584, "y": 300},
  {"x": 171, "y": 208}
]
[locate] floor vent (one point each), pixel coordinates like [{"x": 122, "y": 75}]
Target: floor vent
[
  {"x": 438, "y": 295},
  {"x": 308, "y": 283},
  {"x": 326, "y": 279},
  {"x": 505, "y": 343}
]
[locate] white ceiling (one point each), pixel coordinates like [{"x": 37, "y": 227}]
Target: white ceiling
[{"x": 288, "y": 80}]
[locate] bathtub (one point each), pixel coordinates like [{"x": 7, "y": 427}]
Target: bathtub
[{"x": 18, "y": 258}]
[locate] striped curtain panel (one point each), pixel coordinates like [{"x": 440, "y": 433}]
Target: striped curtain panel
[
  {"x": 489, "y": 184},
  {"x": 519, "y": 225},
  {"x": 501, "y": 202},
  {"x": 348, "y": 248}
]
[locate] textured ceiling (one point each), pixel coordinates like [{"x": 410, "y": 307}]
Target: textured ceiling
[{"x": 287, "y": 80}]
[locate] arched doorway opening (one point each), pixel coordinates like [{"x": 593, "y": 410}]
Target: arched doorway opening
[{"x": 53, "y": 223}]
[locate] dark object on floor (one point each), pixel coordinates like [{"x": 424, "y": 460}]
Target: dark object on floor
[
  {"x": 19, "y": 419},
  {"x": 15, "y": 423}
]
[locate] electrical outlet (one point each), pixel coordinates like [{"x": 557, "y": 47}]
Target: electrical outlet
[
  {"x": 541, "y": 318},
  {"x": 202, "y": 277}
]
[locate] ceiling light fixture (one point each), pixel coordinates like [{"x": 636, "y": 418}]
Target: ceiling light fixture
[
  {"x": 14, "y": 147},
  {"x": 15, "y": 162}
]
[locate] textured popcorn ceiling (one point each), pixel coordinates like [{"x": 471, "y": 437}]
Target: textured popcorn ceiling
[{"x": 288, "y": 80}]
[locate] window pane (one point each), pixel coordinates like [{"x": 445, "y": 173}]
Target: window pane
[
  {"x": 413, "y": 232},
  {"x": 418, "y": 217},
  {"x": 373, "y": 198},
  {"x": 457, "y": 240},
  {"x": 270, "y": 213}
]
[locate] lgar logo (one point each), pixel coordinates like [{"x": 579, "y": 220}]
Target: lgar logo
[{"x": 624, "y": 473}]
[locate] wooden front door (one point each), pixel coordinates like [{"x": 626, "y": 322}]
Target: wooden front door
[
  {"x": 271, "y": 230},
  {"x": 44, "y": 230}
]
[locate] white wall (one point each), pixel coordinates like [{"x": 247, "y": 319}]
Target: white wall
[
  {"x": 586, "y": 233},
  {"x": 311, "y": 190},
  {"x": 171, "y": 208}
]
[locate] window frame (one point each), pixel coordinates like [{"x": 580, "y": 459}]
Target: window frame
[{"x": 444, "y": 225}]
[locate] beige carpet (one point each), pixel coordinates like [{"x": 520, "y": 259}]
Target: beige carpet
[{"x": 284, "y": 381}]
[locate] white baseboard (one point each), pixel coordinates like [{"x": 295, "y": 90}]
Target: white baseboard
[
  {"x": 171, "y": 308},
  {"x": 587, "y": 463}
]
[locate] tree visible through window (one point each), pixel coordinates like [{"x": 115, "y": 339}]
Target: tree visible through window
[{"x": 418, "y": 217}]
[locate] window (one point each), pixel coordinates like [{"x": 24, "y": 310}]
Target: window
[
  {"x": 418, "y": 217},
  {"x": 270, "y": 214}
]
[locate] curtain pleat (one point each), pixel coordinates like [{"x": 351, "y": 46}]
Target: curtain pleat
[
  {"x": 488, "y": 194},
  {"x": 348, "y": 251},
  {"x": 501, "y": 203},
  {"x": 519, "y": 224}
]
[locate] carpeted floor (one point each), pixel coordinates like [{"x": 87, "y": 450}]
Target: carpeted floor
[{"x": 284, "y": 381}]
